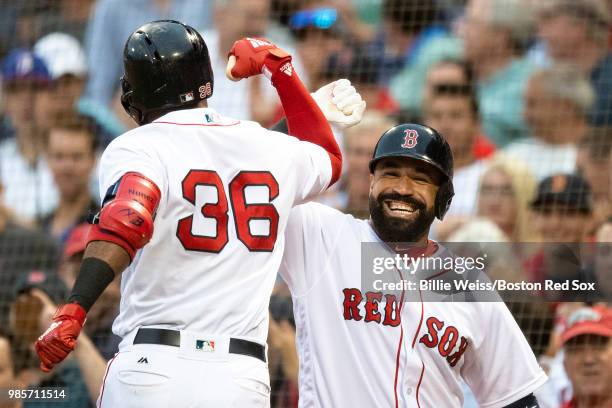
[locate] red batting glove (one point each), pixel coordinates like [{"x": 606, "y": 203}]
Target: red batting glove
[
  {"x": 254, "y": 55},
  {"x": 54, "y": 345}
]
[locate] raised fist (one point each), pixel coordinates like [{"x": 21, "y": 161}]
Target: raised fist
[
  {"x": 340, "y": 103},
  {"x": 254, "y": 56}
]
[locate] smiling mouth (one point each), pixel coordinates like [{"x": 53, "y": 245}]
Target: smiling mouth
[{"x": 399, "y": 208}]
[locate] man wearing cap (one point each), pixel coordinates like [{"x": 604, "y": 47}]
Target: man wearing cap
[
  {"x": 65, "y": 59},
  {"x": 562, "y": 208},
  {"x": 29, "y": 188},
  {"x": 28, "y": 312},
  {"x": 560, "y": 213},
  {"x": 588, "y": 357}
]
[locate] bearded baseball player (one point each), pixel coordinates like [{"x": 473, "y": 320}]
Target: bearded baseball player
[
  {"x": 366, "y": 348},
  {"x": 195, "y": 206}
]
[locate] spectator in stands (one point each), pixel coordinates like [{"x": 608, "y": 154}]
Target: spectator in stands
[
  {"x": 8, "y": 381},
  {"x": 447, "y": 72},
  {"x": 506, "y": 188},
  {"x": 360, "y": 141},
  {"x": 561, "y": 215},
  {"x": 556, "y": 104},
  {"x": 91, "y": 364},
  {"x": 65, "y": 59},
  {"x": 68, "y": 16},
  {"x": 603, "y": 260},
  {"x": 28, "y": 314},
  {"x": 576, "y": 32},
  {"x": 71, "y": 151},
  {"x": 363, "y": 70},
  {"x": 111, "y": 23},
  {"x": 594, "y": 162},
  {"x": 29, "y": 189},
  {"x": 456, "y": 72},
  {"x": 251, "y": 98},
  {"x": 318, "y": 38},
  {"x": 413, "y": 41},
  {"x": 21, "y": 250},
  {"x": 587, "y": 347},
  {"x": 562, "y": 208},
  {"x": 101, "y": 316},
  {"x": 282, "y": 352},
  {"x": 496, "y": 33},
  {"x": 453, "y": 111}
]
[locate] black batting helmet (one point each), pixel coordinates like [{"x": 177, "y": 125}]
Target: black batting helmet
[
  {"x": 167, "y": 67},
  {"x": 421, "y": 143}
]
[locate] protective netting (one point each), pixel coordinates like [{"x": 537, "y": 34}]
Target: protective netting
[{"x": 521, "y": 89}]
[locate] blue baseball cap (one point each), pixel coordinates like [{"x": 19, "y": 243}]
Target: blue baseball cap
[{"x": 21, "y": 64}]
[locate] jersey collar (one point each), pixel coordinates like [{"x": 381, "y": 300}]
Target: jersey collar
[{"x": 199, "y": 116}]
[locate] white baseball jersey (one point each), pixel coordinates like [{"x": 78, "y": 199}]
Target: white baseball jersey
[
  {"x": 226, "y": 190},
  {"x": 356, "y": 351}
]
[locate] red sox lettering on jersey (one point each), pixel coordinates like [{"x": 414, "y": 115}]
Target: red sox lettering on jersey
[{"x": 445, "y": 339}]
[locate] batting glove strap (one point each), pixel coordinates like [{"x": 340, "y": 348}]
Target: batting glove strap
[{"x": 71, "y": 311}]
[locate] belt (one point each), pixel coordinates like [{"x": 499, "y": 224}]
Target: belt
[{"x": 166, "y": 337}]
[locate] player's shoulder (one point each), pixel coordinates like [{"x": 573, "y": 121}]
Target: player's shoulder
[
  {"x": 140, "y": 137},
  {"x": 325, "y": 216}
]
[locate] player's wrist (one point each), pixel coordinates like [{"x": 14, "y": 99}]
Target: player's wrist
[
  {"x": 73, "y": 311},
  {"x": 274, "y": 65}
]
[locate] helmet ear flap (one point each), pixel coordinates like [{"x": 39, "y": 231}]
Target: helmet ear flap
[
  {"x": 444, "y": 197},
  {"x": 126, "y": 98}
]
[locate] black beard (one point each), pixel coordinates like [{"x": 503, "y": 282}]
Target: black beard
[{"x": 392, "y": 229}]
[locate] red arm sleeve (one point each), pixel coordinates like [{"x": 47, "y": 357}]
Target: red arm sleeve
[{"x": 304, "y": 118}]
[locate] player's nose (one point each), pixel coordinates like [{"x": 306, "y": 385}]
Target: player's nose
[{"x": 404, "y": 186}]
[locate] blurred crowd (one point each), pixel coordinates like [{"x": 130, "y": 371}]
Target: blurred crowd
[{"x": 521, "y": 89}]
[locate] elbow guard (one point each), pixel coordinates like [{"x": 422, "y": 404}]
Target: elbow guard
[{"x": 127, "y": 214}]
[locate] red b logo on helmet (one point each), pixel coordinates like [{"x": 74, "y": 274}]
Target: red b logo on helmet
[{"x": 410, "y": 138}]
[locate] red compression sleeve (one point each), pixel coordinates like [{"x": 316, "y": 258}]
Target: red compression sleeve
[{"x": 304, "y": 118}]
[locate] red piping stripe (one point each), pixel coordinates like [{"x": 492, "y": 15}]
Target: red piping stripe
[
  {"x": 419, "y": 385},
  {"x": 399, "y": 346},
  {"x": 416, "y": 333},
  {"x": 104, "y": 380},
  {"x": 397, "y": 362},
  {"x": 198, "y": 124}
]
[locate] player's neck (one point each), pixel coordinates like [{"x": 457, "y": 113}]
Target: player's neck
[{"x": 159, "y": 114}]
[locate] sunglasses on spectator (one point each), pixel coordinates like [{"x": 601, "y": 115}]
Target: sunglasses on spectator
[{"x": 321, "y": 18}]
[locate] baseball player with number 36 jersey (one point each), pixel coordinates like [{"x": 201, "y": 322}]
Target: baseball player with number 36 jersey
[
  {"x": 196, "y": 204},
  {"x": 368, "y": 348}
]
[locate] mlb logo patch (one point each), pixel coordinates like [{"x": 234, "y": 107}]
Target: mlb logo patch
[
  {"x": 205, "y": 345},
  {"x": 186, "y": 97}
]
